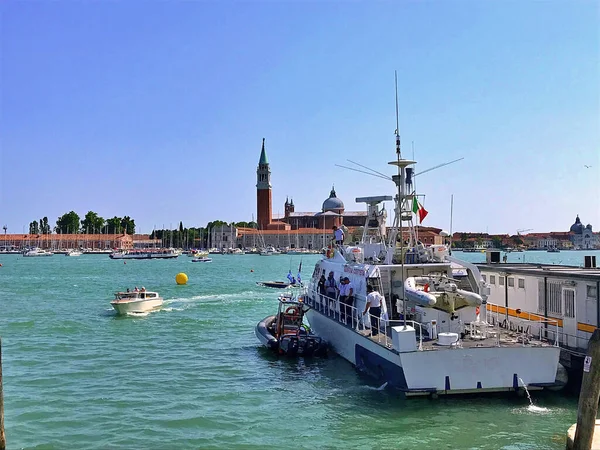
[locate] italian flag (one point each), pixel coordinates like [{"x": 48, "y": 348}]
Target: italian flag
[{"x": 419, "y": 210}]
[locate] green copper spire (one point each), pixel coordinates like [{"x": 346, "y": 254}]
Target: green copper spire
[{"x": 263, "y": 155}]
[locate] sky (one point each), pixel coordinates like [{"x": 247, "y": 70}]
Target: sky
[{"x": 157, "y": 110}]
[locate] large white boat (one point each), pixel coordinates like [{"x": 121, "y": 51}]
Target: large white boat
[
  {"x": 443, "y": 337},
  {"x": 136, "y": 302},
  {"x": 36, "y": 251},
  {"x": 149, "y": 253}
]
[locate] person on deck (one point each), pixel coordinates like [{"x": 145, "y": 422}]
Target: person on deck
[
  {"x": 322, "y": 291},
  {"x": 373, "y": 306},
  {"x": 346, "y": 299},
  {"x": 331, "y": 289},
  {"x": 338, "y": 235}
]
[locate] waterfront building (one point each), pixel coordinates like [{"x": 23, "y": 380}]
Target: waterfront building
[
  {"x": 583, "y": 237},
  {"x": 66, "y": 241}
]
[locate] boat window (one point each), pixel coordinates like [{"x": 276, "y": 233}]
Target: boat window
[
  {"x": 511, "y": 282},
  {"x": 591, "y": 291},
  {"x": 484, "y": 277},
  {"x": 492, "y": 279},
  {"x": 521, "y": 283},
  {"x": 501, "y": 281}
]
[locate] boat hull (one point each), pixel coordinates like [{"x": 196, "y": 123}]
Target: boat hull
[
  {"x": 143, "y": 256},
  {"x": 137, "y": 306},
  {"x": 445, "y": 371}
]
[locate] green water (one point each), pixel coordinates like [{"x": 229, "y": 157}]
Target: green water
[{"x": 194, "y": 376}]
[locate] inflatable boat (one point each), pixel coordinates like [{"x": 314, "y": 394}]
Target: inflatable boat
[{"x": 286, "y": 334}]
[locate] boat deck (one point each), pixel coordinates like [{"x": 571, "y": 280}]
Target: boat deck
[{"x": 507, "y": 339}]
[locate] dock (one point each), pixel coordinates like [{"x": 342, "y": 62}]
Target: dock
[{"x": 595, "y": 441}]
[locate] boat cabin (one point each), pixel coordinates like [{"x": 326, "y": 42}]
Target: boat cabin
[{"x": 140, "y": 295}]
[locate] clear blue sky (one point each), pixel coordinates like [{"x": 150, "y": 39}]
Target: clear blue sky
[{"x": 157, "y": 109}]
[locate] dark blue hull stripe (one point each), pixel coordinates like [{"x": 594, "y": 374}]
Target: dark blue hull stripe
[{"x": 379, "y": 368}]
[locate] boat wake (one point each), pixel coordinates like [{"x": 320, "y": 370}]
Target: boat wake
[
  {"x": 380, "y": 388},
  {"x": 216, "y": 298}
]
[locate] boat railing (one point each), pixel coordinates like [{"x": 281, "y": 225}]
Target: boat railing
[
  {"x": 522, "y": 323},
  {"x": 353, "y": 317}
]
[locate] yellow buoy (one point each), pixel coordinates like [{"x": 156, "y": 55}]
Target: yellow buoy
[{"x": 181, "y": 278}]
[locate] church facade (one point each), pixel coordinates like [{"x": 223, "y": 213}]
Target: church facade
[
  {"x": 332, "y": 211},
  {"x": 583, "y": 238},
  {"x": 311, "y": 230}
]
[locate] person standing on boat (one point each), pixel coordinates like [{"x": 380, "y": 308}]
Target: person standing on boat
[
  {"x": 331, "y": 289},
  {"x": 322, "y": 291},
  {"x": 338, "y": 235},
  {"x": 346, "y": 299},
  {"x": 373, "y": 306}
]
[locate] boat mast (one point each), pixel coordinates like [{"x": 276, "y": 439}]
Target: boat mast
[
  {"x": 401, "y": 196},
  {"x": 400, "y": 200}
]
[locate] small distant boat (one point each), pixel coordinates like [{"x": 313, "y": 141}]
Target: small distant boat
[
  {"x": 286, "y": 334},
  {"x": 74, "y": 253},
  {"x": 204, "y": 259},
  {"x": 37, "y": 252},
  {"x": 269, "y": 251},
  {"x": 198, "y": 254},
  {"x": 136, "y": 302},
  {"x": 553, "y": 250},
  {"x": 278, "y": 284}
]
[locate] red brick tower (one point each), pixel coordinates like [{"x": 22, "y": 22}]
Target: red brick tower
[{"x": 263, "y": 191}]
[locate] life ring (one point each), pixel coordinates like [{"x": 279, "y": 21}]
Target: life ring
[{"x": 293, "y": 311}]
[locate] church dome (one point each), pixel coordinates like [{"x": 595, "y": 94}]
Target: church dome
[
  {"x": 589, "y": 227},
  {"x": 577, "y": 227},
  {"x": 332, "y": 202}
]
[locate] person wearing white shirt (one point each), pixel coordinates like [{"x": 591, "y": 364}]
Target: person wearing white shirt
[
  {"x": 373, "y": 306},
  {"x": 338, "y": 234}
]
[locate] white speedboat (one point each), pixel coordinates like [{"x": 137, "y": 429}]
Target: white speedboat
[
  {"x": 150, "y": 253},
  {"x": 136, "y": 302},
  {"x": 74, "y": 252},
  {"x": 37, "y": 252},
  {"x": 204, "y": 259},
  {"x": 441, "y": 336}
]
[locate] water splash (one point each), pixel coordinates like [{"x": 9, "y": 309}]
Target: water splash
[{"x": 531, "y": 407}]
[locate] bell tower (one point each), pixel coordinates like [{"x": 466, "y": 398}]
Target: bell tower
[{"x": 263, "y": 190}]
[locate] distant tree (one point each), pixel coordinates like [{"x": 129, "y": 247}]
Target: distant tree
[
  {"x": 127, "y": 225},
  {"x": 479, "y": 241},
  {"x": 68, "y": 223},
  {"x": 45, "y": 227},
  {"x": 463, "y": 239},
  {"x": 92, "y": 223},
  {"x": 114, "y": 225},
  {"x": 216, "y": 223},
  {"x": 517, "y": 240},
  {"x": 34, "y": 228},
  {"x": 497, "y": 242}
]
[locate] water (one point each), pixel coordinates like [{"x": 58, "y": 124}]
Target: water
[{"x": 194, "y": 376}]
